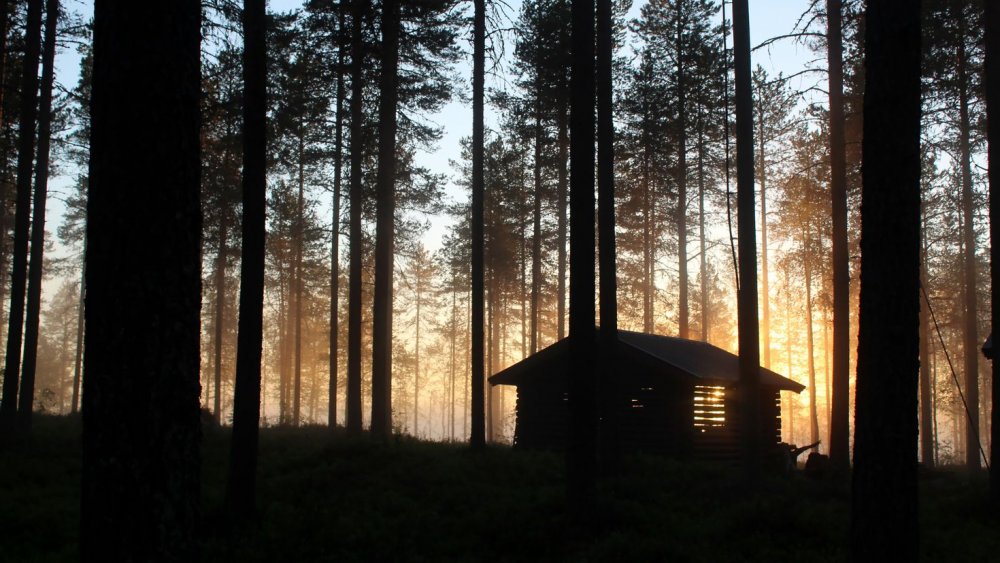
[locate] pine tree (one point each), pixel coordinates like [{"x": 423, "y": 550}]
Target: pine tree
[
  {"x": 141, "y": 462},
  {"x": 884, "y": 521},
  {"x": 25, "y": 157},
  {"x": 240, "y": 488}
]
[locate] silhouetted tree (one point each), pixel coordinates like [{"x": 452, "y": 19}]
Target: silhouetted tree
[
  {"x": 884, "y": 487},
  {"x": 240, "y": 489},
  {"x": 359, "y": 11},
  {"x": 385, "y": 226},
  {"x": 606, "y": 225},
  {"x": 839, "y": 423},
  {"x": 141, "y": 432},
  {"x": 25, "y": 158},
  {"x": 749, "y": 344},
  {"x": 582, "y": 369},
  {"x": 478, "y": 409},
  {"x": 992, "y": 76},
  {"x": 34, "y": 306}
]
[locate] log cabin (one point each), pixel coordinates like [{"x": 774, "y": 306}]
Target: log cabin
[{"x": 672, "y": 396}]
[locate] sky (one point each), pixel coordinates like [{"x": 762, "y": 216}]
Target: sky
[{"x": 768, "y": 18}]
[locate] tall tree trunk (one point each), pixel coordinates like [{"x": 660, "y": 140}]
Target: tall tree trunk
[
  {"x": 454, "y": 359},
  {"x": 992, "y": 21},
  {"x": 926, "y": 430},
  {"x": 840, "y": 415},
  {"x": 78, "y": 352},
  {"x": 582, "y": 388},
  {"x": 561, "y": 187},
  {"x": 416, "y": 357},
  {"x": 765, "y": 291},
  {"x": 703, "y": 250},
  {"x": 385, "y": 201},
  {"x": 606, "y": 231},
  {"x": 4, "y": 131},
  {"x": 240, "y": 488},
  {"x": 359, "y": 11},
  {"x": 27, "y": 398},
  {"x": 810, "y": 348},
  {"x": 338, "y": 163},
  {"x": 478, "y": 414},
  {"x": 971, "y": 341},
  {"x": 681, "y": 218},
  {"x": 749, "y": 342},
  {"x": 22, "y": 208},
  {"x": 297, "y": 282},
  {"x": 536, "y": 215},
  {"x": 141, "y": 427},
  {"x": 220, "y": 304},
  {"x": 884, "y": 523}
]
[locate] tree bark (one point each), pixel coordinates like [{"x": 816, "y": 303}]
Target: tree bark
[
  {"x": 27, "y": 398},
  {"x": 478, "y": 415},
  {"x": 810, "y": 348},
  {"x": 581, "y": 452},
  {"x": 385, "y": 202},
  {"x": 563, "y": 140},
  {"x": 22, "y": 208},
  {"x": 992, "y": 74},
  {"x": 297, "y": 281},
  {"x": 884, "y": 523},
  {"x": 606, "y": 231},
  {"x": 839, "y": 423},
  {"x": 240, "y": 488},
  {"x": 971, "y": 342},
  {"x": 359, "y": 10},
  {"x": 141, "y": 424},
  {"x": 335, "y": 224},
  {"x": 749, "y": 342},
  {"x": 220, "y": 309},
  {"x": 681, "y": 218}
]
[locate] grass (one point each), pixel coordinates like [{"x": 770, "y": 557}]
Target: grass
[{"x": 324, "y": 498}]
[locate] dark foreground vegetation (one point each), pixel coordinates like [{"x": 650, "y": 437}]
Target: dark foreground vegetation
[{"x": 334, "y": 499}]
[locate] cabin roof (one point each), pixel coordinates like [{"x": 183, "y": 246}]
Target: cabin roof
[{"x": 669, "y": 356}]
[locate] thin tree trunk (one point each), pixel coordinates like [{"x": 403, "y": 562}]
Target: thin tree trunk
[
  {"x": 810, "y": 350},
  {"x": 220, "y": 304},
  {"x": 338, "y": 162},
  {"x": 297, "y": 282},
  {"x": 34, "y": 306},
  {"x": 563, "y": 140},
  {"x": 840, "y": 410},
  {"x": 359, "y": 10},
  {"x": 240, "y": 488},
  {"x": 971, "y": 333},
  {"x": 22, "y": 208},
  {"x": 765, "y": 291},
  {"x": 536, "y": 234},
  {"x": 681, "y": 218},
  {"x": 705, "y": 312},
  {"x": 78, "y": 353},
  {"x": 416, "y": 356},
  {"x": 992, "y": 64},
  {"x": 749, "y": 342},
  {"x": 385, "y": 202},
  {"x": 478, "y": 416},
  {"x": 926, "y": 431},
  {"x": 884, "y": 519},
  {"x": 454, "y": 358}
]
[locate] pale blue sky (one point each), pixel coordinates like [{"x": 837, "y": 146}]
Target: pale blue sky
[{"x": 768, "y": 18}]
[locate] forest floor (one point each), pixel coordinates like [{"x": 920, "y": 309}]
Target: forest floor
[{"x": 326, "y": 498}]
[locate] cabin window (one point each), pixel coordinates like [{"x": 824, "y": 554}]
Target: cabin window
[{"x": 709, "y": 407}]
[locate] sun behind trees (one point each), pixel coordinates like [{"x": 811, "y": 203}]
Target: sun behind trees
[{"x": 303, "y": 216}]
